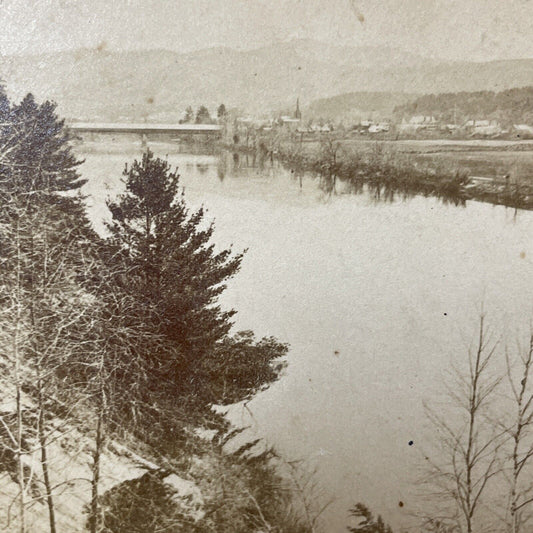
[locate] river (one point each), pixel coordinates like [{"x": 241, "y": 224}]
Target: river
[{"x": 376, "y": 300}]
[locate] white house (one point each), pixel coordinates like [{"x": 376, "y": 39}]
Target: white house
[
  {"x": 382, "y": 127},
  {"x": 523, "y": 130},
  {"x": 483, "y": 127},
  {"x": 417, "y": 123}
]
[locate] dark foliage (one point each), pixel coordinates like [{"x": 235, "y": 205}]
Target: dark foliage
[
  {"x": 510, "y": 106},
  {"x": 203, "y": 116},
  {"x": 34, "y": 146},
  {"x": 221, "y": 112},
  {"x": 169, "y": 265},
  {"x": 189, "y": 115},
  {"x": 240, "y": 494},
  {"x": 366, "y": 521},
  {"x": 142, "y": 505},
  {"x": 173, "y": 268},
  {"x": 39, "y": 177},
  {"x": 238, "y": 368}
]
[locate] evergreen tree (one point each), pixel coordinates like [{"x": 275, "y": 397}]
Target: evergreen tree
[
  {"x": 203, "y": 116},
  {"x": 221, "y": 112},
  {"x": 189, "y": 115},
  {"x": 176, "y": 275},
  {"x": 36, "y": 150},
  {"x": 237, "y": 368},
  {"x": 174, "y": 268}
]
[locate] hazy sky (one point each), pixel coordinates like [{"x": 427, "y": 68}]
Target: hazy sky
[{"x": 468, "y": 29}]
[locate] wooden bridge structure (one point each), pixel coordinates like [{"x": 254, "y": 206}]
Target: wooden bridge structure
[{"x": 91, "y": 129}]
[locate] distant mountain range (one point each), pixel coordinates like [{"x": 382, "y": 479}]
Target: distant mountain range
[{"x": 160, "y": 84}]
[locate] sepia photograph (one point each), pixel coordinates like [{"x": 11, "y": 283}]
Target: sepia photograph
[{"x": 266, "y": 266}]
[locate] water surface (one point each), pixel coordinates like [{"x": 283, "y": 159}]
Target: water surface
[{"x": 375, "y": 299}]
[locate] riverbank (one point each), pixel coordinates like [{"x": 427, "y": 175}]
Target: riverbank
[
  {"x": 142, "y": 488},
  {"x": 388, "y": 169}
]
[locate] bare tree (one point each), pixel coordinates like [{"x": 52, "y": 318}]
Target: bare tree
[
  {"x": 329, "y": 163},
  {"x": 17, "y": 356},
  {"x": 47, "y": 306},
  {"x": 521, "y": 436},
  {"x": 468, "y": 459},
  {"x": 305, "y": 486},
  {"x": 115, "y": 373},
  {"x": 36, "y": 168}
]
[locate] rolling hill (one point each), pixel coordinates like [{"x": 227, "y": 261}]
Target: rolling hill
[
  {"x": 357, "y": 106},
  {"x": 509, "y": 107},
  {"x": 159, "y": 84}
]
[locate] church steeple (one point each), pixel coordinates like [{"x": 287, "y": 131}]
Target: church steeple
[{"x": 298, "y": 113}]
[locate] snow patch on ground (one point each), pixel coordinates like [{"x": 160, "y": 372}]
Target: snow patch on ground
[{"x": 70, "y": 459}]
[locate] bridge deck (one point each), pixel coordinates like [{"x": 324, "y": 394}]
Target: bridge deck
[{"x": 108, "y": 127}]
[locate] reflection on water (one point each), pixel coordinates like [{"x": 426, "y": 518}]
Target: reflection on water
[
  {"x": 202, "y": 167},
  {"x": 375, "y": 298}
]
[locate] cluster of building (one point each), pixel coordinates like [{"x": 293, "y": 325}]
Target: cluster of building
[
  {"x": 415, "y": 125},
  {"x": 471, "y": 128},
  {"x": 370, "y": 126},
  {"x": 291, "y": 123}
]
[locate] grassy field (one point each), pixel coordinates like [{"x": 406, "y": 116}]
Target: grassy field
[
  {"x": 476, "y": 157},
  {"x": 493, "y": 164}
]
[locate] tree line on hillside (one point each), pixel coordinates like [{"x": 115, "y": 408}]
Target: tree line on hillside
[
  {"x": 512, "y": 106},
  {"x": 121, "y": 335},
  {"x": 357, "y": 105}
]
